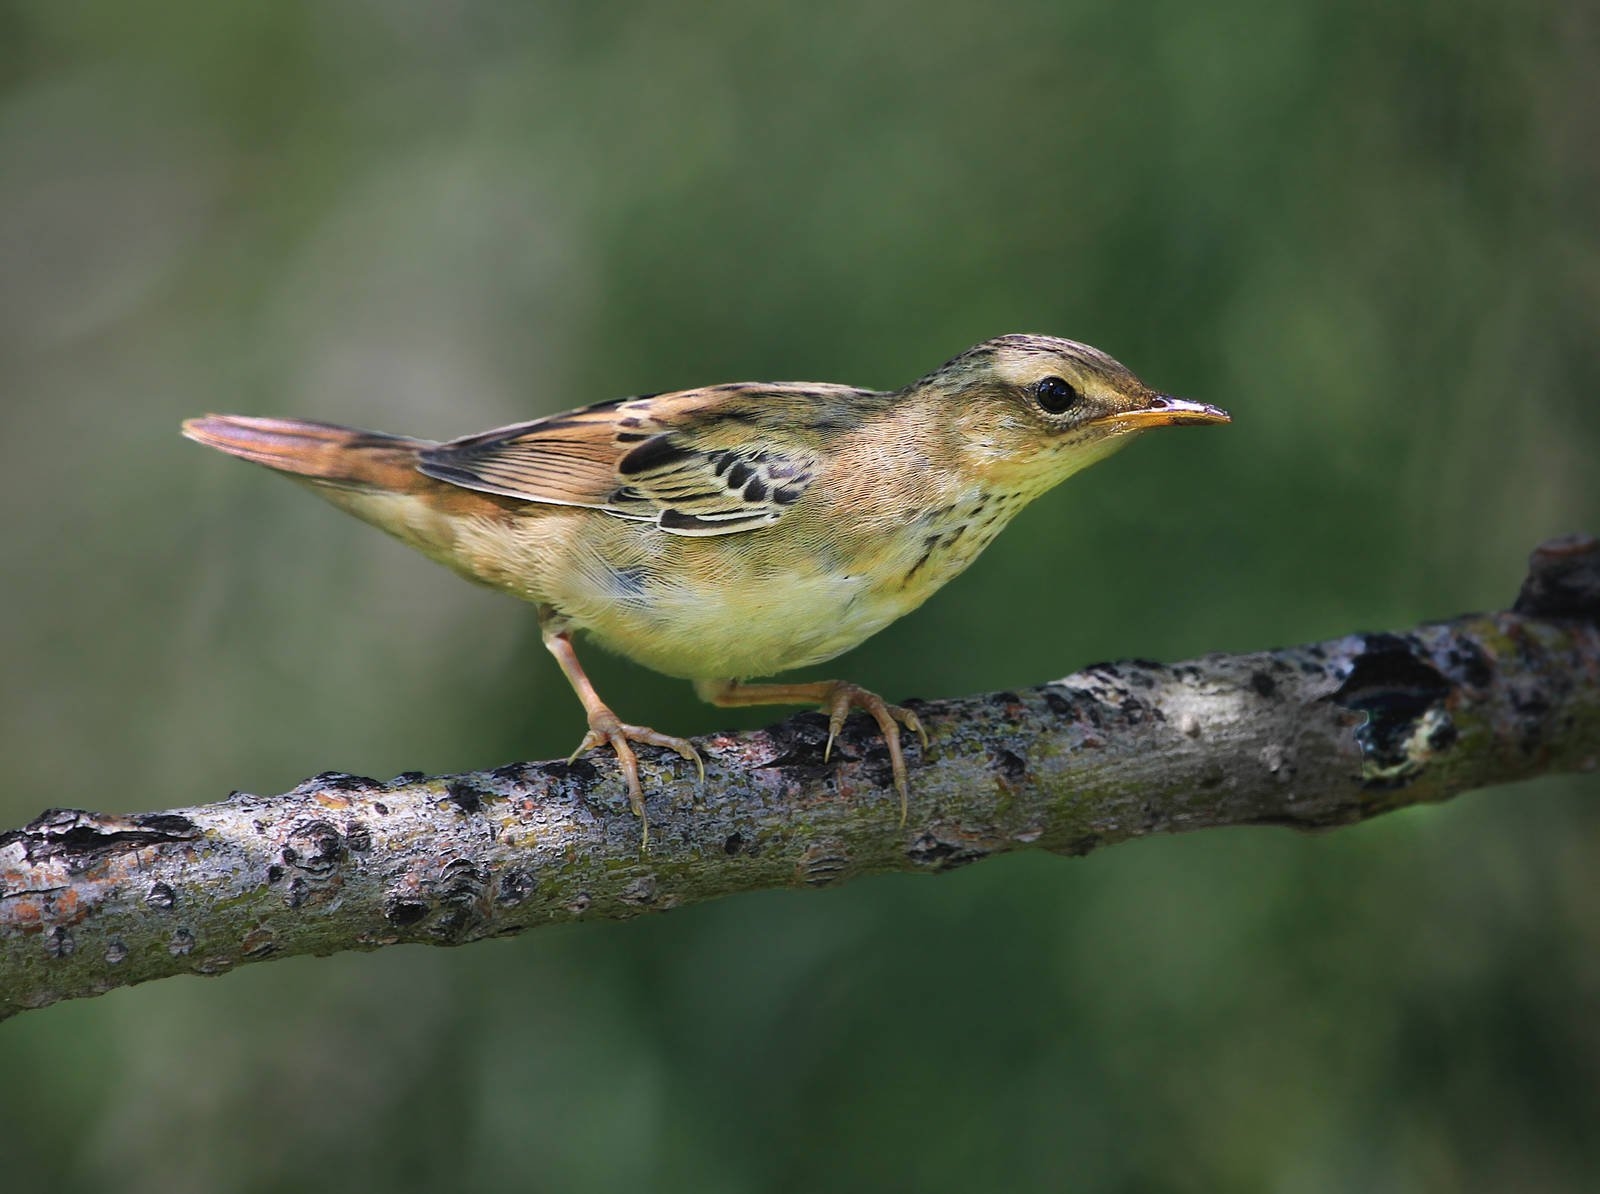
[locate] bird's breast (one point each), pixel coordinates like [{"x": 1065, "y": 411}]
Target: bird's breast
[{"x": 945, "y": 539}]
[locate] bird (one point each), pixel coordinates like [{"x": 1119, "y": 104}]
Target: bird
[{"x": 731, "y": 532}]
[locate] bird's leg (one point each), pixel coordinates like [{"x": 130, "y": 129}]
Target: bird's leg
[
  {"x": 605, "y": 728},
  {"x": 836, "y": 698}
]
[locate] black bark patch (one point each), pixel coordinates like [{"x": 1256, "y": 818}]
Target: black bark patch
[
  {"x": 931, "y": 851},
  {"x": 1010, "y": 767},
  {"x": 357, "y": 836},
  {"x": 1263, "y": 685},
  {"x": 1395, "y": 689},
  {"x": 514, "y": 886},
  {"x": 80, "y": 838},
  {"x": 464, "y": 796},
  {"x": 1059, "y": 704},
  {"x": 405, "y": 779},
  {"x": 338, "y": 781},
  {"x": 167, "y": 824},
  {"x": 403, "y": 912},
  {"x": 1473, "y": 665},
  {"x": 1134, "y": 710},
  {"x": 800, "y": 742},
  {"x": 580, "y": 769}
]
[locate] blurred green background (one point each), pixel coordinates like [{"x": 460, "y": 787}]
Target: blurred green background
[{"x": 1368, "y": 229}]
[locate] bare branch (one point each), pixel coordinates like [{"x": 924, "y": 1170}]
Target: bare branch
[{"x": 1307, "y": 737}]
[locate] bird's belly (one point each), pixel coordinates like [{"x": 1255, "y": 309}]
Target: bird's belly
[
  {"x": 726, "y": 607},
  {"x": 683, "y": 627}
]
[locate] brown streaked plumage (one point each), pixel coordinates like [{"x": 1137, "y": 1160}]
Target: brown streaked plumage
[{"x": 735, "y": 530}]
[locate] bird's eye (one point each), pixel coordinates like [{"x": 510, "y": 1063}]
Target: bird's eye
[{"x": 1056, "y": 395}]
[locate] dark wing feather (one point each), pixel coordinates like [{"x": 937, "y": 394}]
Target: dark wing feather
[{"x": 697, "y": 462}]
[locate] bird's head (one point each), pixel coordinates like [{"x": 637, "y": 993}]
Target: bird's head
[{"x": 1032, "y": 410}]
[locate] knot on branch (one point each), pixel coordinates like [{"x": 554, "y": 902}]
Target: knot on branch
[{"x": 1563, "y": 580}]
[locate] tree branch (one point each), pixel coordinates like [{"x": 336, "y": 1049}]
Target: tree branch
[{"x": 1307, "y": 737}]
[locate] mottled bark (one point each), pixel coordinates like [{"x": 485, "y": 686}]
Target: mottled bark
[{"x": 1306, "y": 737}]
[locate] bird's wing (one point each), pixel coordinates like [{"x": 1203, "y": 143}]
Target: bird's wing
[{"x": 697, "y": 462}]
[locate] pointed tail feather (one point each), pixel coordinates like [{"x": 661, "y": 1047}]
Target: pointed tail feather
[{"x": 318, "y": 452}]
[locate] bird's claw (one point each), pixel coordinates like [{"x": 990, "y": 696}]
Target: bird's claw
[
  {"x": 606, "y": 730},
  {"x": 846, "y": 696}
]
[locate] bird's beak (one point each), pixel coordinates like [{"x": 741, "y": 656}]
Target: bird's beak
[{"x": 1165, "y": 412}]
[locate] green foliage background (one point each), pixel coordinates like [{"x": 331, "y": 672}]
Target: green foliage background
[{"x": 1367, "y": 229}]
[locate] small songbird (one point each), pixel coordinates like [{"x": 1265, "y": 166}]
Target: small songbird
[{"x": 739, "y": 530}]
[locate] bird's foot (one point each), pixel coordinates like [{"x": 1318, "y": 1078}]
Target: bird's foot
[
  {"x": 842, "y": 696},
  {"x": 836, "y": 698},
  {"x": 605, "y": 729}
]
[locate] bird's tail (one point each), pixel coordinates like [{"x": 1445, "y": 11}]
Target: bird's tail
[
  {"x": 366, "y": 473},
  {"x": 322, "y": 453}
]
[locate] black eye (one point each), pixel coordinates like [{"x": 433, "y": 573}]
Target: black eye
[{"x": 1056, "y": 394}]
